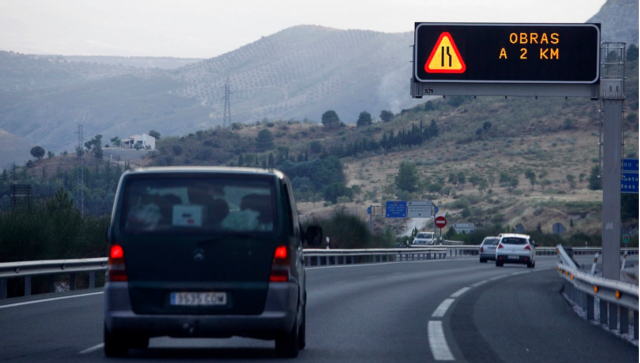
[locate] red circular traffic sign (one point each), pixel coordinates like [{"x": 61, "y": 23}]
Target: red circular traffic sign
[{"x": 441, "y": 222}]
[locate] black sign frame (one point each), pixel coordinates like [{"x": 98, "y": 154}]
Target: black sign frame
[{"x": 480, "y": 44}]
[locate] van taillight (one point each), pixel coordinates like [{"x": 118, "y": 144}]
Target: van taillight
[
  {"x": 481, "y": 249},
  {"x": 527, "y": 247},
  {"x": 116, "y": 270},
  {"x": 280, "y": 266},
  {"x": 500, "y": 245}
]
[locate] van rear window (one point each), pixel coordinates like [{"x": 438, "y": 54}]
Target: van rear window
[{"x": 179, "y": 203}]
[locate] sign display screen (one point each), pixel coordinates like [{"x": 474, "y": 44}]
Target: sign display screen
[{"x": 507, "y": 53}]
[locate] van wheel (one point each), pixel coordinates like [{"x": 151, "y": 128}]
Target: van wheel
[
  {"x": 287, "y": 345},
  {"x": 499, "y": 264},
  {"x": 483, "y": 260},
  {"x": 531, "y": 264},
  {"x": 114, "y": 344}
]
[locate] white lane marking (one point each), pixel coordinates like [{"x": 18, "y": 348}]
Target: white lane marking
[
  {"x": 520, "y": 273},
  {"x": 46, "y": 300},
  {"x": 497, "y": 277},
  {"x": 460, "y": 292},
  {"x": 438, "y": 343},
  {"x": 92, "y": 349},
  {"x": 479, "y": 283},
  {"x": 442, "y": 309}
]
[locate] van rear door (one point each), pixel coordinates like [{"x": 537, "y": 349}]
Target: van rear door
[{"x": 198, "y": 243}]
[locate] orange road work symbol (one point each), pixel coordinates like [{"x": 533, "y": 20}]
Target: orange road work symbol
[{"x": 445, "y": 57}]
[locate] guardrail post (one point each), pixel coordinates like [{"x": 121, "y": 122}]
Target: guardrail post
[
  {"x": 3, "y": 288},
  {"x": 624, "y": 320},
  {"x": 51, "y": 283},
  {"x": 72, "y": 281},
  {"x": 27, "y": 286},
  {"x": 613, "y": 316},
  {"x": 317, "y": 260},
  {"x": 635, "y": 325},
  {"x": 603, "y": 312},
  {"x": 92, "y": 279},
  {"x": 590, "y": 307}
]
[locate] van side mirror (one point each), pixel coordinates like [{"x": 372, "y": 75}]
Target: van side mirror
[{"x": 314, "y": 235}]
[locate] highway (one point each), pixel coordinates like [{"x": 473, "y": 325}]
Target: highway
[{"x": 424, "y": 311}]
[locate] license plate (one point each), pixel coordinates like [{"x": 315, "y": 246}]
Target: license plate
[
  {"x": 513, "y": 257},
  {"x": 198, "y": 298}
]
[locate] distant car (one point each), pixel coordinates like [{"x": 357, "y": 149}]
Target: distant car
[
  {"x": 205, "y": 252},
  {"x": 516, "y": 248},
  {"x": 488, "y": 249},
  {"x": 423, "y": 238}
]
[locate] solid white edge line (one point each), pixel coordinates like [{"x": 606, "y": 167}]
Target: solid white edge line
[
  {"x": 442, "y": 309},
  {"x": 47, "y": 300},
  {"x": 498, "y": 277},
  {"x": 92, "y": 349},
  {"x": 437, "y": 342},
  {"x": 460, "y": 292}
]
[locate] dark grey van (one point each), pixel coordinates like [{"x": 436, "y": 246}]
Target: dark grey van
[{"x": 205, "y": 252}]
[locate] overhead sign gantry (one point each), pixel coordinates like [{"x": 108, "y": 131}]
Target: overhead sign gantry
[{"x": 506, "y": 59}]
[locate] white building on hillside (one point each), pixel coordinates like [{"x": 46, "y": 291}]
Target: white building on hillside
[{"x": 145, "y": 141}]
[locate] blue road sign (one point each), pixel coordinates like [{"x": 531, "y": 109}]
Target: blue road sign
[
  {"x": 630, "y": 165},
  {"x": 436, "y": 209},
  {"x": 629, "y": 182},
  {"x": 396, "y": 209},
  {"x": 369, "y": 210}
]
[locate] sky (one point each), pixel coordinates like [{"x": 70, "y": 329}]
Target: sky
[{"x": 208, "y": 28}]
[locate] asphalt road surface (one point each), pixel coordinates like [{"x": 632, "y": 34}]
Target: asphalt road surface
[{"x": 423, "y": 311}]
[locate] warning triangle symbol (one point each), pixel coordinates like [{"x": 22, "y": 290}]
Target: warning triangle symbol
[{"x": 445, "y": 57}]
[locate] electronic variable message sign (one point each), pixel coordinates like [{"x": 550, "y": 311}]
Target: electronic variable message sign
[{"x": 507, "y": 53}]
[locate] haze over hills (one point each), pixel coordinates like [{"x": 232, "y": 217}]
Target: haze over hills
[
  {"x": 298, "y": 73},
  {"x": 620, "y": 21}
]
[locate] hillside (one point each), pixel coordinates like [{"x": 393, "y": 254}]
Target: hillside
[
  {"x": 620, "y": 21},
  {"x": 13, "y": 149}
]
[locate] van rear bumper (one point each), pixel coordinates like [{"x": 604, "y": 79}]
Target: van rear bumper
[{"x": 278, "y": 317}]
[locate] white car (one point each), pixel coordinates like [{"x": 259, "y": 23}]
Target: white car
[
  {"x": 423, "y": 238},
  {"x": 516, "y": 248}
]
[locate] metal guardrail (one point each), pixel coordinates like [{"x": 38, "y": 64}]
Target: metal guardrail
[
  {"x": 615, "y": 299},
  {"x": 27, "y": 269},
  {"x": 313, "y": 257}
]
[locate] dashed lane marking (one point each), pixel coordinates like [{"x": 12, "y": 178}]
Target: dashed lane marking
[
  {"x": 438, "y": 343},
  {"x": 92, "y": 349},
  {"x": 460, "y": 292},
  {"x": 442, "y": 309}
]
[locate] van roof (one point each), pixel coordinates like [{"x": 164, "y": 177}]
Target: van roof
[{"x": 209, "y": 169}]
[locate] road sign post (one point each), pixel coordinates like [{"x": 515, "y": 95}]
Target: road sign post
[{"x": 440, "y": 222}]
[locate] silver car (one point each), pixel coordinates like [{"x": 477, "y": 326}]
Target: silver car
[{"x": 488, "y": 249}]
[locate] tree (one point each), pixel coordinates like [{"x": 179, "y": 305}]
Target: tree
[
  {"x": 116, "y": 141},
  {"x": 315, "y": 147},
  {"x": 529, "y": 174},
  {"x": 407, "y": 178},
  {"x": 330, "y": 119},
  {"x": 336, "y": 190},
  {"x": 386, "y": 115},
  {"x": 37, "y": 152},
  {"x": 50, "y": 154},
  {"x": 155, "y": 134},
  {"x": 595, "y": 181},
  {"x": 486, "y": 126},
  {"x": 264, "y": 141},
  {"x": 572, "y": 180},
  {"x": 632, "y": 52},
  {"x": 364, "y": 119},
  {"x": 433, "y": 129}
]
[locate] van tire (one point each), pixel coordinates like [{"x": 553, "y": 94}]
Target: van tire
[
  {"x": 287, "y": 345},
  {"x": 114, "y": 344},
  {"x": 499, "y": 264}
]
